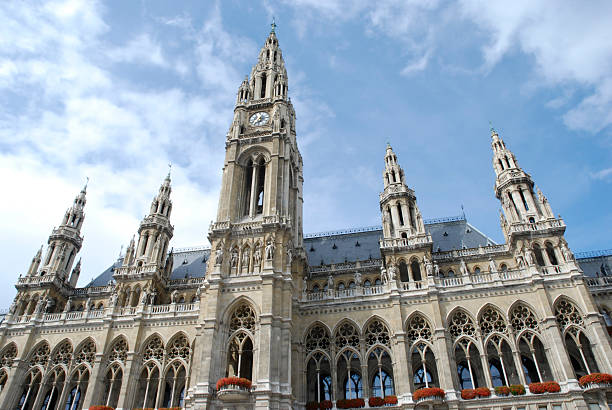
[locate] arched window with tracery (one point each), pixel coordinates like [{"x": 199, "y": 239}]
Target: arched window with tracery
[
  {"x": 380, "y": 365},
  {"x": 77, "y": 388},
  {"x": 530, "y": 348},
  {"x": 176, "y": 380},
  {"x": 53, "y": 387},
  {"x": 348, "y": 362},
  {"x": 7, "y": 356},
  {"x": 240, "y": 351},
  {"x": 254, "y": 183},
  {"x": 415, "y": 268},
  {"x": 577, "y": 344},
  {"x": 116, "y": 357},
  {"x": 500, "y": 360},
  {"x": 403, "y": 271},
  {"x": 318, "y": 368},
  {"x": 467, "y": 356},
  {"x": 37, "y": 362},
  {"x": 149, "y": 377},
  {"x": 422, "y": 359}
]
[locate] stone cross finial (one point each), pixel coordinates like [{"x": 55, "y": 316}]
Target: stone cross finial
[{"x": 273, "y": 25}]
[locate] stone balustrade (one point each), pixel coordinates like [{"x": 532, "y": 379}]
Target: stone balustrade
[{"x": 536, "y": 226}]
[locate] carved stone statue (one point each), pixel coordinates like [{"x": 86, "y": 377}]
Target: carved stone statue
[
  {"x": 270, "y": 250},
  {"x": 392, "y": 271},
  {"x": 492, "y": 267},
  {"x": 145, "y": 296},
  {"x": 304, "y": 285},
  {"x": 520, "y": 261},
  {"x": 357, "y": 278},
  {"x": 257, "y": 257},
  {"x": 330, "y": 282},
  {"x": 39, "y": 305},
  {"x": 567, "y": 254},
  {"x": 245, "y": 258},
  {"x": 463, "y": 268},
  {"x": 13, "y": 307},
  {"x": 112, "y": 301},
  {"x": 436, "y": 270},
  {"x": 428, "y": 266},
  {"x": 219, "y": 256},
  {"x": 174, "y": 296},
  {"x": 198, "y": 293},
  {"x": 289, "y": 253},
  {"x": 234, "y": 258},
  {"x": 529, "y": 257}
]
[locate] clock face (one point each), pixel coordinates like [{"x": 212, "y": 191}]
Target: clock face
[{"x": 259, "y": 118}]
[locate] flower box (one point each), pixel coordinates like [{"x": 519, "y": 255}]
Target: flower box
[
  {"x": 376, "y": 401},
  {"x": 233, "y": 388},
  {"x": 390, "y": 400},
  {"x": 428, "y": 394},
  {"x": 326, "y": 404},
  {"x": 350, "y": 403},
  {"x": 101, "y": 408},
  {"x": 596, "y": 381},
  {"x": 517, "y": 389},
  {"x": 502, "y": 390},
  {"x": 544, "y": 387},
  {"x": 469, "y": 394}
]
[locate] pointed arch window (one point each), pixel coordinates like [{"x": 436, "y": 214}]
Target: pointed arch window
[
  {"x": 403, "y": 270},
  {"x": 254, "y": 185},
  {"x": 416, "y": 270},
  {"x": 240, "y": 351}
]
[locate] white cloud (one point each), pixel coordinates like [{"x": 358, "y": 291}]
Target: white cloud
[
  {"x": 416, "y": 66},
  {"x": 604, "y": 174},
  {"x": 76, "y": 116}
]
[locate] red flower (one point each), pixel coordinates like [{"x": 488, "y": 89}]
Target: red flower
[
  {"x": 482, "y": 392},
  {"x": 468, "y": 394},
  {"x": 101, "y": 408},
  {"x": 502, "y": 390},
  {"x": 390, "y": 399},
  {"x": 326, "y": 404},
  {"x": 376, "y": 401},
  {"x": 596, "y": 378},
  {"x": 544, "y": 387},
  {"x": 428, "y": 392},
  {"x": 234, "y": 381},
  {"x": 517, "y": 389},
  {"x": 350, "y": 403},
  {"x": 312, "y": 405}
]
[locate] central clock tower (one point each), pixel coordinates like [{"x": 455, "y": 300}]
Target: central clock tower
[{"x": 257, "y": 258}]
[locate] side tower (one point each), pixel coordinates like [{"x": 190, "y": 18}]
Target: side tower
[
  {"x": 529, "y": 225},
  {"x": 256, "y": 244},
  {"x": 50, "y": 279},
  {"x": 142, "y": 278},
  {"x": 406, "y": 246}
]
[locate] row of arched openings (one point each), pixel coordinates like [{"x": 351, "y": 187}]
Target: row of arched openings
[
  {"x": 339, "y": 364},
  {"x": 59, "y": 379}
]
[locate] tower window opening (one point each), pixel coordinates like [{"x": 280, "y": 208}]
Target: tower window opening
[
  {"x": 523, "y": 199},
  {"x": 513, "y": 204},
  {"x": 403, "y": 270},
  {"x": 268, "y": 54},
  {"x": 388, "y": 180},
  {"x": 275, "y": 56},
  {"x": 393, "y": 175},
  {"x": 262, "y": 93},
  {"x": 507, "y": 161},
  {"x": 401, "y": 216},
  {"x": 550, "y": 251},
  {"x": 261, "y": 176},
  {"x": 501, "y": 164},
  {"x": 248, "y": 180},
  {"x": 416, "y": 270}
]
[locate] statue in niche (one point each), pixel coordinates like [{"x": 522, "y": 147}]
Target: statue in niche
[
  {"x": 463, "y": 268},
  {"x": 428, "y": 266},
  {"x": 492, "y": 267},
  {"x": 245, "y": 258},
  {"x": 436, "y": 270},
  {"x": 392, "y": 271},
  {"x": 529, "y": 257},
  {"x": 219, "y": 256},
  {"x": 257, "y": 256},
  {"x": 270, "y": 250},
  {"x": 174, "y": 296},
  {"x": 567, "y": 254},
  {"x": 357, "y": 278},
  {"x": 304, "y": 285},
  {"x": 234, "y": 258},
  {"x": 330, "y": 282}
]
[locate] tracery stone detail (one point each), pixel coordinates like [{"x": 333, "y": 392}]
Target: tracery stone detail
[
  {"x": 179, "y": 348},
  {"x": 492, "y": 321},
  {"x": 154, "y": 350},
  {"x": 418, "y": 329},
  {"x": 461, "y": 325},
  {"x": 522, "y": 318},
  {"x": 376, "y": 333},
  {"x": 9, "y": 354},
  {"x": 86, "y": 353},
  {"x": 118, "y": 352},
  {"x": 40, "y": 356},
  {"x": 567, "y": 314},
  {"x": 317, "y": 338},
  {"x": 346, "y": 335},
  {"x": 243, "y": 318},
  {"x": 62, "y": 354}
]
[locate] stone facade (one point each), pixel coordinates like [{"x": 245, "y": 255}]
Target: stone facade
[{"x": 373, "y": 312}]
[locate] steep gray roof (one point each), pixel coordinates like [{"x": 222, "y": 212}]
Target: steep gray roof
[
  {"x": 187, "y": 263},
  {"x": 595, "y": 263},
  {"x": 333, "y": 247}
]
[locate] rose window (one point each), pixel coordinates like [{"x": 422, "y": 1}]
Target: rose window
[
  {"x": 461, "y": 324},
  {"x": 40, "y": 356},
  {"x": 567, "y": 314},
  {"x": 154, "y": 350},
  {"x": 63, "y": 354},
  {"x": 377, "y": 333},
  {"x": 317, "y": 338},
  {"x": 522, "y": 318},
  {"x": 179, "y": 348},
  {"x": 118, "y": 352},
  {"x": 492, "y": 321},
  {"x": 418, "y": 329},
  {"x": 86, "y": 353},
  {"x": 346, "y": 335},
  {"x": 9, "y": 354},
  {"x": 243, "y": 318}
]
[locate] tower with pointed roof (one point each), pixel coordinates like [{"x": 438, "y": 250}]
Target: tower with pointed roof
[{"x": 256, "y": 240}]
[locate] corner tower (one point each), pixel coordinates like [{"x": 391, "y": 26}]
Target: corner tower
[{"x": 257, "y": 255}]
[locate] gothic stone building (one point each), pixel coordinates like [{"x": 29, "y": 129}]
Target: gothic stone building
[{"x": 379, "y": 311}]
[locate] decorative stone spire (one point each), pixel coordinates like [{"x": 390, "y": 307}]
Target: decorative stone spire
[
  {"x": 35, "y": 262},
  {"x": 524, "y": 210},
  {"x": 65, "y": 241},
  {"x": 400, "y": 213}
]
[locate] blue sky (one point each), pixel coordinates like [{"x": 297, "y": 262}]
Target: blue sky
[{"x": 116, "y": 90}]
